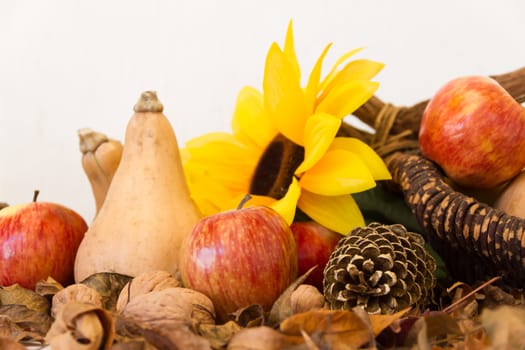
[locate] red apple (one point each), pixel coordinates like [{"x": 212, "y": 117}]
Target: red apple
[
  {"x": 315, "y": 243},
  {"x": 239, "y": 258},
  {"x": 475, "y": 130},
  {"x": 38, "y": 240}
]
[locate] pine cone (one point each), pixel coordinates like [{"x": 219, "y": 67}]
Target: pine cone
[{"x": 383, "y": 268}]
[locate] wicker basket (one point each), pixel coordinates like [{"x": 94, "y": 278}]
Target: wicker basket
[{"x": 475, "y": 240}]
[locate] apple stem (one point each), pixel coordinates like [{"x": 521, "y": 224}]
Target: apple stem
[
  {"x": 244, "y": 200},
  {"x": 35, "y": 195}
]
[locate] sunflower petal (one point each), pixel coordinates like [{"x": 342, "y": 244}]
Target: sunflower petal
[
  {"x": 328, "y": 78},
  {"x": 289, "y": 51},
  {"x": 235, "y": 178},
  {"x": 208, "y": 202},
  {"x": 204, "y": 139},
  {"x": 249, "y": 121},
  {"x": 339, "y": 213},
  {"x": 338, "y": 172},
  {"x": 283, "y": 96},
  {"x": 373, "y": 161},
  {"x": 361, "y": 69},
  {"x": 209, "y": 194},
  {"x": 256, "y": 200},
  {"x": 209, "y": 171},
  {"x": 285, "y": 206},
  {"x": 319, "y": 133},
  {"x": 345, "y": 99},
  {"x": 212, "y": 147},
  {"x": 311, "y": 90}
]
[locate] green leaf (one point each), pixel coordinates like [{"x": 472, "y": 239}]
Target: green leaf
[{"x": 387, "y": 207}]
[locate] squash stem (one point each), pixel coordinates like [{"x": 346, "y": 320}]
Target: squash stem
[{"x": 148, "y": 102}]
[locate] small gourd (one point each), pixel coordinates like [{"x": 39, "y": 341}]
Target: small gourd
[{"x": 147, "y": 211}]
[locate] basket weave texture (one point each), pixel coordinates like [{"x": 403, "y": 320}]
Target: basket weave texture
[{"x": 475, "y": 240}]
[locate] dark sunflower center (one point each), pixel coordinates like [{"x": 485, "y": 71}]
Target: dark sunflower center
[{"x": 275, "y": 170}]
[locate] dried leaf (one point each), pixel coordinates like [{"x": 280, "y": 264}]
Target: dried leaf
[
  {"x": 174, "y": 339},
  {"x": 422, "y": 339},
  {"x": 15, "y": 294},
  {"x": 9, "y": 344},
  {"x": 78, "y": 324},
  {"x": 434, "y": 325},
  {"x": 335, "y": 329},
  {"x": 309, "y": 342},
  {"x": 136, "y": 344},
  {"x": 33, "y": 323},
  {"x": 263, "y": 338},
  {"x": 496, "y": 296},
  {"x": 250, "y": 316},
  {"x": 380, "y": 322},
  {"x": 132, "y": 345},
  {"x": 109, "y": 285},
  {"x": 396, "y": 334},
  {"x": 219, "y": 335},
  {"x": 305, "y": 298},
  {"x": 459, "y": 284},
  {"x": 9, "y": 329},
  {"x": 48, "y": 287},
  {"x": 466, "y": 306},
  {"x": 477, "y": 340},
  {"x": 505, "y": 326},
  {"x": 283, "y": 308}
]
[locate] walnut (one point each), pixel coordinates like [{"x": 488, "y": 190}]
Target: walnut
[
  {"x": 306, "y": 297},
  {"x": 203, "y": 310},
  {"x": 156, "y": 310},
  {"x": 75, "y": 292},
  {"x": 165, "y": 318},
  {"x": 168, "y": 308},
  {"x": 145, "y": 283}
]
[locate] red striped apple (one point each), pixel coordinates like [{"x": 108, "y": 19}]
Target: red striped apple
[
  {"x": 475, "y": 130},
  {"x": 38, "y": 240},
  {"x": 239, "y": 258},
  {"x": 315, "y": 243}
]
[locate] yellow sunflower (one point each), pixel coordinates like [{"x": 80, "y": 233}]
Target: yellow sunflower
[{"x": 283, "y": 149}]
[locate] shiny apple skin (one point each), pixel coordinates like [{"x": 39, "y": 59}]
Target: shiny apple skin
[
  {"x": 315, "y": 243},
  {"x": 475, "y": 130},
  {"x": 239, "y": 258},
  {"x": 38, "y": 240}
]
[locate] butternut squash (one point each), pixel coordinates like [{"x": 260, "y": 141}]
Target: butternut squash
[
  {"x": 147, "y": 211},
  {"x": 100, "y": 159},
  {"x": 512, "y": 200}
]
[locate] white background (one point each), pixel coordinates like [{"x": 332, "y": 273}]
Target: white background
[{"x": 71, "y": 64}]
